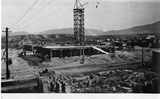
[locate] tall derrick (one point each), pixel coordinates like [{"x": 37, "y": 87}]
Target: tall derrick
[
  {"x": 79, "y": 35},
  {"x": 79, "y": 32}
]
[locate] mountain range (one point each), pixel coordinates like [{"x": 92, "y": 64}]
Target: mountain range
[
  {"x": 142, "y": 29},
  {"x": 153, "y": 28}
]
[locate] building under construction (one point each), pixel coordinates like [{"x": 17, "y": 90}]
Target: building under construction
[
  {"x": 117, "y": 71},
  {"x": 48, "y": 52}
]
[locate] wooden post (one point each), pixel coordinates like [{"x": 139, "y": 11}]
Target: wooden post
[
  {"x": 50, "y": 54},
  {"x": 6, "y": 49},
  {"x": 142, "y": 57}
]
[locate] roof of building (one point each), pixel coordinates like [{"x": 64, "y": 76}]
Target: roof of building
[
  {"x": 157, "y": 50},
  {"x": 66, "y": 47}
]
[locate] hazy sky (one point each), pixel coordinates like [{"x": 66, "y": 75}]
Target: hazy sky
[{"x": 53, "y": 14}]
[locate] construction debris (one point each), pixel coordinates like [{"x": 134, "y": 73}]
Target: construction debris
[{"x": 113, "y": 81}]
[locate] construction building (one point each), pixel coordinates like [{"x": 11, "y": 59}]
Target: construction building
[{"x": 47, "y": 52}]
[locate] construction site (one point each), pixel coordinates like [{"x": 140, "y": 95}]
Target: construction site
[{"x": 105, "y": 65}]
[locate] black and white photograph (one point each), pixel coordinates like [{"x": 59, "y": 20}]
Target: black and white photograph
[{"x": 80, "y": 46}]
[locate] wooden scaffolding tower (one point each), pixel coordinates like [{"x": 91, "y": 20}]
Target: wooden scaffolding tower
[{"x": 79, "y": 32}]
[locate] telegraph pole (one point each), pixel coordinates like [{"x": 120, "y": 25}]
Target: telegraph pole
[
  {"x": 142, "y": 56},
  {"x": 6, "y": 50}
]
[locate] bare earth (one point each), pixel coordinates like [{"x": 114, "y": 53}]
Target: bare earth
[{"x": 71, "y": 65}]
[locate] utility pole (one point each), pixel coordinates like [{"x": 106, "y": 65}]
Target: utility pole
[
  {"x": 142, "y": 56},
  {"x": 6, "y": 50}
]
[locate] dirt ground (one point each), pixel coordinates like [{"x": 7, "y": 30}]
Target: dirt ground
[{"x": 21, "y": 68}]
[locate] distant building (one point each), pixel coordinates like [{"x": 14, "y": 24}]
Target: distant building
[{"x": 156, "y": 43}]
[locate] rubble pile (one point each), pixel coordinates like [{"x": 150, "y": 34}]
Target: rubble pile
[
  {"x": 114, "y": 81},
  {"x": 53, "y": 82}
]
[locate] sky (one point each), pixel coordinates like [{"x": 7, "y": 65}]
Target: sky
[{"x": 57, "y": 14}]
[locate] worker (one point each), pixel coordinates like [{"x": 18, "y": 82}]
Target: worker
[
  {"x": 45, "y": 71},
  {"x": 57, "y": 88},
  {"x": 63, "y": 87},
  {"x": 51, "y": 86},
  {"x": 97, "y": 4}
]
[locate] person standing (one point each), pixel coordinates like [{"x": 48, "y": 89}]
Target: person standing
[
  {"x": 57, "y": 88},
  {"x": 63, "y": 87}
]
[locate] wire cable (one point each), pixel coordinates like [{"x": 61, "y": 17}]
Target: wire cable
[
  {"x": 40, "y": 10},
  {"x": 27, "y": 11}
]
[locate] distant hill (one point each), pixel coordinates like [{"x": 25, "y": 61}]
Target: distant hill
[
  {"x": 70, "y": 31},
  {"x": 143, "y": 29},
  {"x": 16, "y": 33},
  {"x": 57, "y": 31},
  {"x": 16, "y": 39}
]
